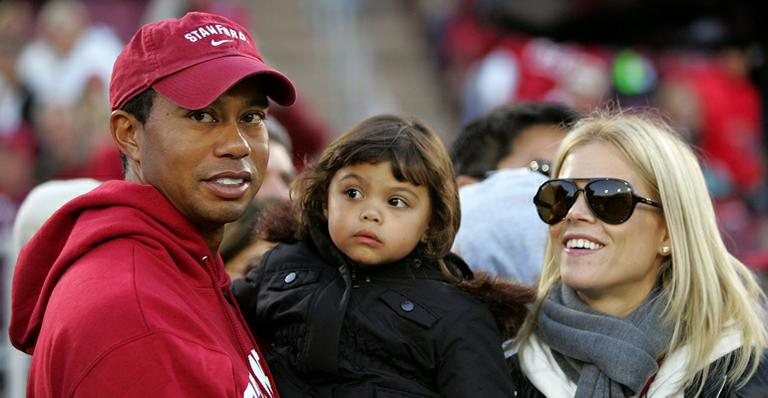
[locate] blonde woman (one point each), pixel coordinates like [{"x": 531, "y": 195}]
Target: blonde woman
[{"x": 638, "y": 295}]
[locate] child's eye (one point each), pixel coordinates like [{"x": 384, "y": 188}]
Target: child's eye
[
  {"x": 397, "y": 202},
  {"x": 201, "y": 116},
  {"x": 353, "y": 193}
]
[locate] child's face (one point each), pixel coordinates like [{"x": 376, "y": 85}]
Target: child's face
[{"x": 373, "y": 218}]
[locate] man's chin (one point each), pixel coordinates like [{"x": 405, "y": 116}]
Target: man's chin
[{"x": 225, "y": 214}]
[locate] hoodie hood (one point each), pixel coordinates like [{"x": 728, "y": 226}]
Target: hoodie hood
[{"x": 116, "y": 209}]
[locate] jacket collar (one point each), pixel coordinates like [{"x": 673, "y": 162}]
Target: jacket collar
[{"x": 414, "y": 266}]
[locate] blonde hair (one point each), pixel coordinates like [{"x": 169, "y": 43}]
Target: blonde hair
[{"x": 708, "y": 289}]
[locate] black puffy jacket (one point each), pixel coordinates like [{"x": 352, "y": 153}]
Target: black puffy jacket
[{"x": 395, "y": 330}]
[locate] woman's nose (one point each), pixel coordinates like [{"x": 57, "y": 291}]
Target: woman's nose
[{"x": 580, "y": 210}]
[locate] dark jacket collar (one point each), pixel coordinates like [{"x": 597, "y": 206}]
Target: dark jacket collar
[{"x": 414, "y": 265}]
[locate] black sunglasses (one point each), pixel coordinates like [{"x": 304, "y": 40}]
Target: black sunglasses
[{"x": 611, "y": 200}]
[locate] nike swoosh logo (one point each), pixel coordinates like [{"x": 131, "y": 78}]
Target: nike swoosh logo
[{"x": 217, "y": 43}]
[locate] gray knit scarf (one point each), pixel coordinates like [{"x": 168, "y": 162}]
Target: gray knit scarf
[{"x": 606, "y": 356}]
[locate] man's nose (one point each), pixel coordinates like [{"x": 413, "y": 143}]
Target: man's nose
[{"x": 233, "y": 142}]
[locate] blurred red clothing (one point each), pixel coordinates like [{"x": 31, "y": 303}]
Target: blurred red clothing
[
  {"x": 730, "y": 135},
  {"x": 17, "y": 162},
  {"x": 103, "y": 164}
]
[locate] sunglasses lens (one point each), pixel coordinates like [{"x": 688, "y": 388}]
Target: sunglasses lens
[
  {"x": 554, "y": 199},
  {"x": 610, "y": 200}
]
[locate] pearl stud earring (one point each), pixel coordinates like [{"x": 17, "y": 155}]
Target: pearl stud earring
[{"x": 665, "y": 249}]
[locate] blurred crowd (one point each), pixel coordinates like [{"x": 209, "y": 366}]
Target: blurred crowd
[
  {"x": 56, "y": 59},
  {"x": 702, "y": 82}
]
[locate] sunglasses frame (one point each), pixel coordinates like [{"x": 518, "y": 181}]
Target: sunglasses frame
[{"x": 635, "y": 199}]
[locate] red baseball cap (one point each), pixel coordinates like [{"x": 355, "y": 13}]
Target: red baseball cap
[{"x": 192, "y": 61}]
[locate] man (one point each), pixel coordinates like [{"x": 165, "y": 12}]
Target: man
[
  {"x": 122, "y": 292},
  {"x": 492, "y": 157},
  {"x": 280, "y": 170},
  {"x": 510, "y": 136}
]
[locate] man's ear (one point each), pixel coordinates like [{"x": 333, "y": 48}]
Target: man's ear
[
  {"x": 124, "y": 128},
  {"x": 463, "y": 180}
]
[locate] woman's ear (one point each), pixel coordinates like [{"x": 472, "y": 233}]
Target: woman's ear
[
  {"x": 665, "y": 246},
  {"x": 124, "y": 128}
]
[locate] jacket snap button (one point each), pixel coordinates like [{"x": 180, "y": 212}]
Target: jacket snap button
[
  {"x": 407, "y": 306},
  {"x": 290, "y": 277}
]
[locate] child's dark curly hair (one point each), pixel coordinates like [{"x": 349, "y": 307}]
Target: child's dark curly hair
[{"x": 417, "y": 155}]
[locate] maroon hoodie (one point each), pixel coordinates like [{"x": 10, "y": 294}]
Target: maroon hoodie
[{"x": 119, "y": 295}]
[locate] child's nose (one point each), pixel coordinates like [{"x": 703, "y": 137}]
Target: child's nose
[{"x": 370, "y": 214}]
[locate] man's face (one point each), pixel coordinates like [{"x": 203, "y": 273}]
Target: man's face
[
  {"x": 208, "y": 162},
  {"x": 279, "y": 174},
  {"x": 539, "y": 141}
]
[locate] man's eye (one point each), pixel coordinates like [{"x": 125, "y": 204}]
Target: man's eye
[
  {"x": 353, "y": 193},
  {"x": 398, "y": 202},
  {"x": 255, "y": 117},
  {"x": 200, "y": 116}
]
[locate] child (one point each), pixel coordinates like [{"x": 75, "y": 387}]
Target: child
[{"x": 366, "y": 303}]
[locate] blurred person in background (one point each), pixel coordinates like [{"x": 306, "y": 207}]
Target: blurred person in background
[
  {"x": 43, "y": 200},
  {"x": 523, "y": 68},
  {"x": 17, "y": 156},
  {"x": 70, "y": 139},
  {"x": 508, "y": 137},
  {"x": 242, "y": 244},
  {"x": 731, "y": 127},
  {"x": 639, "y": 295},
  {"x": 280, "y": 171},
  {"x": 66, "y": 68},
  {"x": 500, "y": 160},
  {"x": 247, "y": 240},
  {"x": 63, "y": 147},
  {"x": 236, "y": 10},
  {"x": 17, "y": 145},
  {"x": 67, "y": 52},
  {"x": 710, "y": 99},
  {"x": 15, "y": 29},
  {"x": 17, "y": 162}
]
